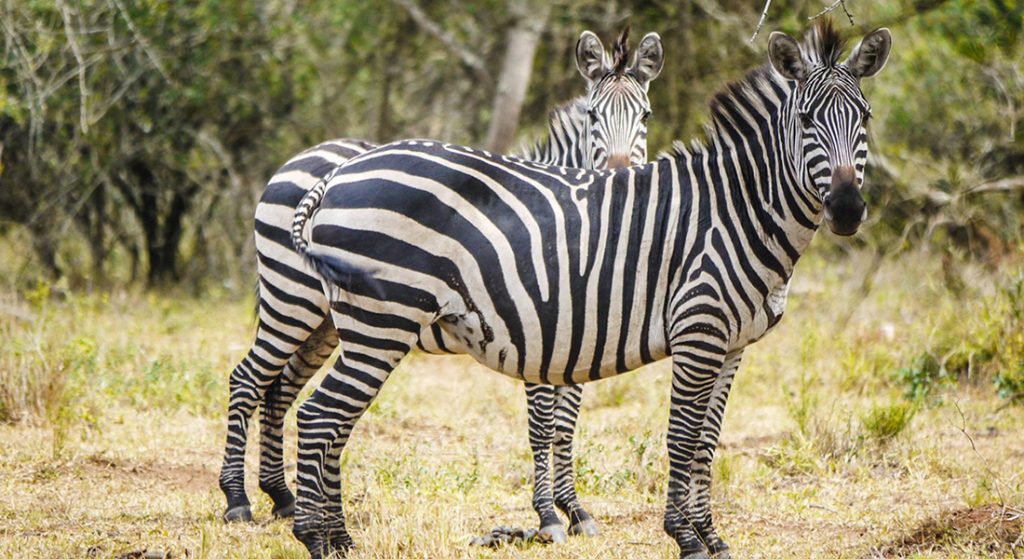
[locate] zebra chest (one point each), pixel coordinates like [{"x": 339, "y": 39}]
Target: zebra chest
[{"x": 766, "y": 316}]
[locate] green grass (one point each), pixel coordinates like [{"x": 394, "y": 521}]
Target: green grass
[{"x": 111, "y": 417}]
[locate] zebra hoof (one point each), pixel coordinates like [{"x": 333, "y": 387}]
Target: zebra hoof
[
  {"x": 284, "y": 511},
  {"x": 555, "y": 533},
  {"x": 241, "y": 513},
  {"x": 718, "y": 549},
  {"x": 284, "y": 501},
  {"x": 586, "y": 528},
  {"x": 284, "y": 505},
  {"x": 695, "y": 555}
]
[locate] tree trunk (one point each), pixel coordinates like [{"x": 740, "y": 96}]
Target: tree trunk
[
  {"x": 162, "y": 246},
  {"x": 528, "y": 21},
  {"x": 45, "y": 243}
]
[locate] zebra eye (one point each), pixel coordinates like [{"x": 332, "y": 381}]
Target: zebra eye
[
  {"x": 645, "y": 117},
  {"x": 866, "y": 118},
  {"x": 593, "y": 116},
  {"x": 806, "y": 121}
]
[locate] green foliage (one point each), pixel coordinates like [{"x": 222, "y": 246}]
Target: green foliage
[
  {"x": 884, "y": 422},
  {"x": 984, "y": 346},
  {"x": 137, "y": 140},
  {"x": 923, "y": 377}
]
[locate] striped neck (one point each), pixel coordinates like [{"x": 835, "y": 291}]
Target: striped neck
[
  {"x": 749, "y": 160},
  {"x": 566, "y": 139}
]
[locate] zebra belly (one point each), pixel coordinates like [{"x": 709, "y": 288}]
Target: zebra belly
[{"x": 468, "y": 334}]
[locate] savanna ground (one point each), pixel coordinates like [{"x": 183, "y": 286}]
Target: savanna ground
[{"x": 878, "y": 420}]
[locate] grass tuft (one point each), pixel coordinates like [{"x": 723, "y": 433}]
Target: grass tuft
[{"x": 884, "y": 422}]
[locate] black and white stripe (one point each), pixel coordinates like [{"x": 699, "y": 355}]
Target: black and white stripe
[
  {"x": 294, "y": 339},
  {"x": 562, "y": 276}
]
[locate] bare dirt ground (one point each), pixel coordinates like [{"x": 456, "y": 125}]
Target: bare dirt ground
[{"x": 803, "y": 469}]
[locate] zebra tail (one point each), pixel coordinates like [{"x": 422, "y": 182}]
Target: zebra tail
[
  {"x": 335, "y": 270},
  {"x": 346, "y": 275},
  {"x": 309, "y": 203}
]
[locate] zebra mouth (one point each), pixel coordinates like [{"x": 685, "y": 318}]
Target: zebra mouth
[{"x": 844, "y": 213}]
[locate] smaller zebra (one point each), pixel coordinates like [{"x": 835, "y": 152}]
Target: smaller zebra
[{"x": 604, "y": 128}]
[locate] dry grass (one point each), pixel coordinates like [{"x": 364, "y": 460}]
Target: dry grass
[{"x": 117, "y": 441}]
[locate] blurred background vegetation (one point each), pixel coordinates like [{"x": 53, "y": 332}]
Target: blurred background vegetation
[{"x": 137, "y": 135}]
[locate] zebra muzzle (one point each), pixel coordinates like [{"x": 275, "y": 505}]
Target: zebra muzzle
[{"x": 844, "y": 204}]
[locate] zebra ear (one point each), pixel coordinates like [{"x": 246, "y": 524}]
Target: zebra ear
[
  {"x": 650, "y": 58},
  {"x": 869, "y": 56},
  {"x": 785, "y": 56},
  {"x": 590, "y": 58}
]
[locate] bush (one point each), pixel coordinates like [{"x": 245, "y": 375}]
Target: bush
[
  {"x": 982, "y": 345},
  {"x": 886, "y": 421}
]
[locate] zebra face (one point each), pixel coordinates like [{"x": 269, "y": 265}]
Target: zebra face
[
  {"x": 617, "y": 103},
  {"x": 828, "y": 115}
]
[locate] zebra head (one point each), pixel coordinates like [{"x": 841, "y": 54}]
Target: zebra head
[
  {"x": 617, "y": 103},
  {"x": 827, "y": 115}
]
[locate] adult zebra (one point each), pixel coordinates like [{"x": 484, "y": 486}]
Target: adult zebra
[
  {"x": 555, "y": 275},
  {"x": 607, "y": 127}
]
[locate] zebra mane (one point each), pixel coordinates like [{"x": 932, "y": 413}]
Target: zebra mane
[
  {"x": 822, "y": 46},
  {"x": 558, "y": 119},
  {"x": 729, "y": 106},
  {"x": 620, "y": 52}
]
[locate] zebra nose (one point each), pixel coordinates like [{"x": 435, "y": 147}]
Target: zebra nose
[
  {"x": 844, "y": 204},
  {"x": 618, "y": 161}
]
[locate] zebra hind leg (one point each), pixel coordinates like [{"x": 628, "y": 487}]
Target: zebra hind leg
[
  {"x": 278, "y": 399},
  {"x": 567, "y": 410},
  {"x": 248, "y": 383},
  {"x": 325, "y": 422},
  {"x": 540, "y": 406}
]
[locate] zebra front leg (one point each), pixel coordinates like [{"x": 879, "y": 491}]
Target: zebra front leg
[
  {"x": 278, "y": 399},
  {"x": 567, "y": 410},
  {"x": 540, "y": 407},
  {"x": 248, "y": 384},
  {"x": 695, "y": 367},
  {"x": 325, "y": 422},
  {"x": 700, "y": 486}
]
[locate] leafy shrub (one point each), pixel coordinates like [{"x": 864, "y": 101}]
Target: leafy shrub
[{"x": 923, "y": 377}]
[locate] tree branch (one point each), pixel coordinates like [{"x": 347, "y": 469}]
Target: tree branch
[
  {"x": 1000, "y": 185},
  {"x": 150, "y": 54},
  {"x": 834, "y": 5},
  {"x": 76, "y": 51},
  {"x": 468, "y": 58},
  {"x": 760, "y": 22}
]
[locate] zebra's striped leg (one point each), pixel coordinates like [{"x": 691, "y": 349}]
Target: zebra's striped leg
[
  {"x": 567, "y": 410},
  {"x": 325, "y": 422},
  {"x": 700, "y": 488},
  {"x": 249, "y": 382},
  {"x": 540, "y": 405},
  {"x": 300, "y": 368},
  {"x": 694, "y": 370}
]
